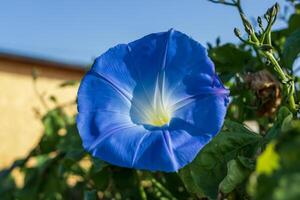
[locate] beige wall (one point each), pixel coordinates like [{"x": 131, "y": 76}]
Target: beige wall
[{"x": 20, "y": 127}]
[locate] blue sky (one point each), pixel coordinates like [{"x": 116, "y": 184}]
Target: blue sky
[{"x": 76, "y": 31}]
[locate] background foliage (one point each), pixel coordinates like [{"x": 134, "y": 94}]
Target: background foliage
[{"x": 237, "y": 164}]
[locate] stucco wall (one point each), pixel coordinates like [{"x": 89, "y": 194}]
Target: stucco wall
[{"x": 20, "y": 127}]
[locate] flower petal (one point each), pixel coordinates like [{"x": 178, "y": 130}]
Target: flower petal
[
  {"x": 138, "y": 148},
  {"x": 186, "y": 146},
  {"x": 202, "y": 115},
  {"x": 99, "y": 100},
  {"x": 155, "y": 153},
  {"x": 112, "y": 66},
  {"x": 185, "y": 59},
  {"x": 128, "y": 145},
  {"x": 127, "y": 81},
  {"x": 97, "y": 93},
  {"x": 145, "y": 61},
  {"x": 120, "y": 145}
]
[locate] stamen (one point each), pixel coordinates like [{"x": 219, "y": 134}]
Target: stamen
[{"x": 159, "y": 114}]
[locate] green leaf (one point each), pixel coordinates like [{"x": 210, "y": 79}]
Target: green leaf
[
  {"x": 71, "y": 141},
  {"x": 53, "y": 121},
  {"x": 101, "y": 178},
  {"x": 283, "y": 183},
  {"x": 174, "y": 185},
  {"x": 189, "y": 183},
  {"x": 236, "y": 174},
  {"x": 268, "y": 161},
  {"x": 75, "y": 155},
  {"x": 208, "y": 169},
  {"x": 294, "y": 23},
  {"x": 126, "y": 181},
  {"x": 229, "y": 58},
  {"x": 232, "y": 126},
  {"x": 98, "y": 165},
  {"x": 31, "y": 184},
  {"x": 291, "y": 49},
  {"x": 52, "y": 186},
  {"x": 7, "y": 187},
  {"x": 284, "y": 116},
  {"x": 247, "y": 162}
]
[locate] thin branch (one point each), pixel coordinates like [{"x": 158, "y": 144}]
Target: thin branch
[
  {"x": 222, "y": 2},
  {"x": 39, "y": 95}
]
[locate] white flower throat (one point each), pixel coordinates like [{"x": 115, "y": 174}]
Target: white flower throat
[{"x": 159, "y": 112}]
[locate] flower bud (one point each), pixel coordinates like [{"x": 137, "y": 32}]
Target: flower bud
[
  {"x": 269, "y": 12},
  {"x": 267, "y": 17},
  {"x": 259, "y": 21},
  {"x": 247, "y": 24},
  {"x": 218, "y": 41},
  {"x": 272, "y": 12},
  {"x": 237, "y": 32},
  {"x": 277, "y": 6}
]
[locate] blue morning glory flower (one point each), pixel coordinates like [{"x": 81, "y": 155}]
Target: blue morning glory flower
[{"x": 151, "y": 104}]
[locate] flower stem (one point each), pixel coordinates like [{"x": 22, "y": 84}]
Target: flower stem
[
  {"x": 142, "y": 192},
  {"x": 262, "y": 43},
  {"x": 286, "y": 80},
  {"x": 162, "y": 189}
]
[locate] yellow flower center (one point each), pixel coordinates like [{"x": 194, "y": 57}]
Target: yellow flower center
[{"x": 159, "y": 117}]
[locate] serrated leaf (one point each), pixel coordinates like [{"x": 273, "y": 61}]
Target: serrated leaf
[{"x": 209, "y": 167}]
